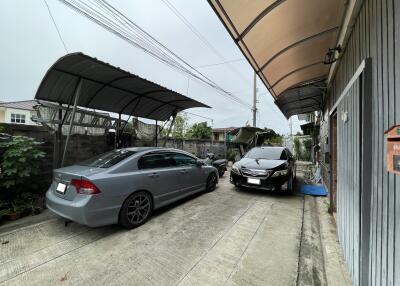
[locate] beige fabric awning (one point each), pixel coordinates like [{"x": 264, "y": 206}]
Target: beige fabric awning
[{"x": 285, "y": 41}]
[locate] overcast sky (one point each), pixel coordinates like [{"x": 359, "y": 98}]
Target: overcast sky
[{"x": 30, "y": 45}]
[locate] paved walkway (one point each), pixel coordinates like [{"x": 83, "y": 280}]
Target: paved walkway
[{"x": 226, "y": 237}]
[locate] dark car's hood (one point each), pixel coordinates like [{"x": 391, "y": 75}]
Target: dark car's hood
[{"x": 260, "y": 163}]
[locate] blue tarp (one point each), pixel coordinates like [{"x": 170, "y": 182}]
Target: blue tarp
[{"x": 313, "y": 190}]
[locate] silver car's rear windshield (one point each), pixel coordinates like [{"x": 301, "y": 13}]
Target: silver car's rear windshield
[
  {"x": 265, "y": 153},
  {"x": 108, "y": 159}
]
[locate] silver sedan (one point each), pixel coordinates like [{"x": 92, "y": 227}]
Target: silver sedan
[{"x": 124, "y": 186}]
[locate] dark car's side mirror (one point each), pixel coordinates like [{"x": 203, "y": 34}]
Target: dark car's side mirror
[{"x": 199, "y": 163}]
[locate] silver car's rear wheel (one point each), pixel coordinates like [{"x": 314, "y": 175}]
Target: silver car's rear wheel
[
  {"x": 136, "y": 210},
  {"x": 211, "y": 182}
]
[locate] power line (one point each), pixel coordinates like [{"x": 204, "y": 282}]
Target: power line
[
  {"x": 108, "y": 17},
  {"x": 208, "y": 118},
  {"x": 55, "y": 25},
  {"x": 221, "y": 63},
  {"x": 200, "y": 36}
]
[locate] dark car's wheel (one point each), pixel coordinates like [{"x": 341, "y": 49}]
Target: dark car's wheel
[
  {"x": 136, "y": 210},
  {"x": 221, "y": 173},
  {"x": 211, "y": 182}
]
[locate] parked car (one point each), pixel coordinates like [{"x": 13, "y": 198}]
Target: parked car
[
  {"x": 220, "y": 164},
  {"x": 125, "y": 185},
  {"x": 267, "y": 168}
]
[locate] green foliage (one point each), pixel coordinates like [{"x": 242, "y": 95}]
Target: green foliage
[
  {"x": 231, "y": 155},
  {"x": 302, "y": 149},
  {"x": 19, "y": 162},
  {"x": 276, "y": 140},
  {"x": 297, "y": 148},
  {"x": 200, "y": 131},
  {"x": 307, "y": 143},
  {"x": 179, "y": 129},
  {"x": 2, "y": 129}
]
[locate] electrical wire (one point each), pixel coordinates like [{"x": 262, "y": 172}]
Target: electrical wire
[
  {"x": 201, "y": 37},
  {"x": 108, "y": 17},
  {"x": 55, "y": 25},
  {"x": 220, "y": 63}
]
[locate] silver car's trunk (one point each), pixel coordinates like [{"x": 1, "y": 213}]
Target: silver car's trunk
[{"x": 65, "y": 175}]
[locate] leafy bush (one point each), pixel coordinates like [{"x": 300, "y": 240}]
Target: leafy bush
[
  {"x": 19, "y": 163},
  {"x": 231, "y": 155},
  {"x": 200, "y": 131}
]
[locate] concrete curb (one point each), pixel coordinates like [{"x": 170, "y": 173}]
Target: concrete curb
[{"x": 320, "y": 260}]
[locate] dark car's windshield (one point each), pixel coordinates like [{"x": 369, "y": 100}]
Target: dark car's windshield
[
  {"x": 270, "y": 153},
  {"x": 108, "y": 159}
]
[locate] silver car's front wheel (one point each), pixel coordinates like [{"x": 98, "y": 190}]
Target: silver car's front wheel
[{"x": 136, "y": 210}]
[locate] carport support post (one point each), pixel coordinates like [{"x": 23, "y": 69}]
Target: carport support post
[
  {"x": 71, "y": 122},
  {"x": 156, "y": 139},
  {"x": 170, "y": 128}
]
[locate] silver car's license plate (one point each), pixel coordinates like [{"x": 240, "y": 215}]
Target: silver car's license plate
[
  {"x": 61, "y": 188},
  {"x": 253, "y": 181}
]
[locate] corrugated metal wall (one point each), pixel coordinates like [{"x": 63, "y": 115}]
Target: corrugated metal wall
[
  {"x": 348, "y": 188},
  {"x": 376, "y": 34}
]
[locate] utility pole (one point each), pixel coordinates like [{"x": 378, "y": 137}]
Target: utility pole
[{"x": 254, "y": 109}]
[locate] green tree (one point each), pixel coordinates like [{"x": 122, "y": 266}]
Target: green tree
[
  {"x": 297, "y": 148},
  {"x": 307, "y": 143},
  {"x": 200, "y": 131},
  {"x": 179, "y": 129}
]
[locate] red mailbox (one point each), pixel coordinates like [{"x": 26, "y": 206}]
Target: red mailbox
[{"x": 393, "y": 149}]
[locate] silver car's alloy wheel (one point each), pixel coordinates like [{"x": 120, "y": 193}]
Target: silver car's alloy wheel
[
  {"x": 211, "y": 182},
  {"x": 136, "y": 210}
]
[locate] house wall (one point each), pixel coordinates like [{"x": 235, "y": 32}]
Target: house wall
[
  {"x": 2, "y": 115},
  {"x": 376, "y": 35},
  {"x": 7, "y": 115},
  {"x": 219, "y": 136}
]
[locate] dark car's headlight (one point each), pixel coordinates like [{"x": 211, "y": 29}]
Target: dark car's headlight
[
  {"x": 235, "y": 169},
  {"x": 280, "y": 173}
]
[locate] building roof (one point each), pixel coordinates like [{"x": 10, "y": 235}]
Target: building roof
[
  {"x": 105, "y": 87},
  {"x": 24, "y": 104}
]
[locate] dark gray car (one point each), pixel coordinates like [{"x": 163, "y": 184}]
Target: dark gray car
[{"x": 125, "y": 185}]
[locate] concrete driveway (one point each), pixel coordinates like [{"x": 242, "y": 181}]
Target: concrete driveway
[{"x": 226, "y": 237}]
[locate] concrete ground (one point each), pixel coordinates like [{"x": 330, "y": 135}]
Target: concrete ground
[{"x": 227, "y": 237}]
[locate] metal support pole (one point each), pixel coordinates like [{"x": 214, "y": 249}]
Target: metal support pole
[
  {"x": 170, "y": 128},
  {"x": 119, "y": 132},
  {"x": 254, "y": 109},
  {"x": 71, "y": 122},
  {"x": 156, "y": 139},
  {"x": 58, "y": 143}
]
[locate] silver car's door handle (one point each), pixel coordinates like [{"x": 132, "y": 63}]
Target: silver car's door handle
[
  {"x": 183, "y": 171},
  {"x": 153, "y": 175}
]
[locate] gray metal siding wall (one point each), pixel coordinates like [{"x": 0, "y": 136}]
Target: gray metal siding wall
[
  {"x": 348, "y": 189},
  {"x": 376, "y": 34}
]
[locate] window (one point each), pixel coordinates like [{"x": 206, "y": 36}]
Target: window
[
  {"x": 283, "y": 155},
  {"x": 268, "y": 153},
  {"x": 108, "y": 159},
  {"x": 156, "y": 161},
  {"x": 184, "y": 160},
  {"x": 17, "y": 118}
]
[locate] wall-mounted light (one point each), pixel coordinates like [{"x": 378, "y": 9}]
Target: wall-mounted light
[
  {"x": 345, "y": 116},
  {"x": 331, "y": 57}
]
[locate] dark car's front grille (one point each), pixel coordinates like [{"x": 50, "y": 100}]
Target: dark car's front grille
[{"x": 255, "y": 172}]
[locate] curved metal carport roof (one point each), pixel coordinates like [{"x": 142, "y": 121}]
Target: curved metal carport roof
[
  {"x": 286, "y": 42},
  {"x": 105, "y": 87}
]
